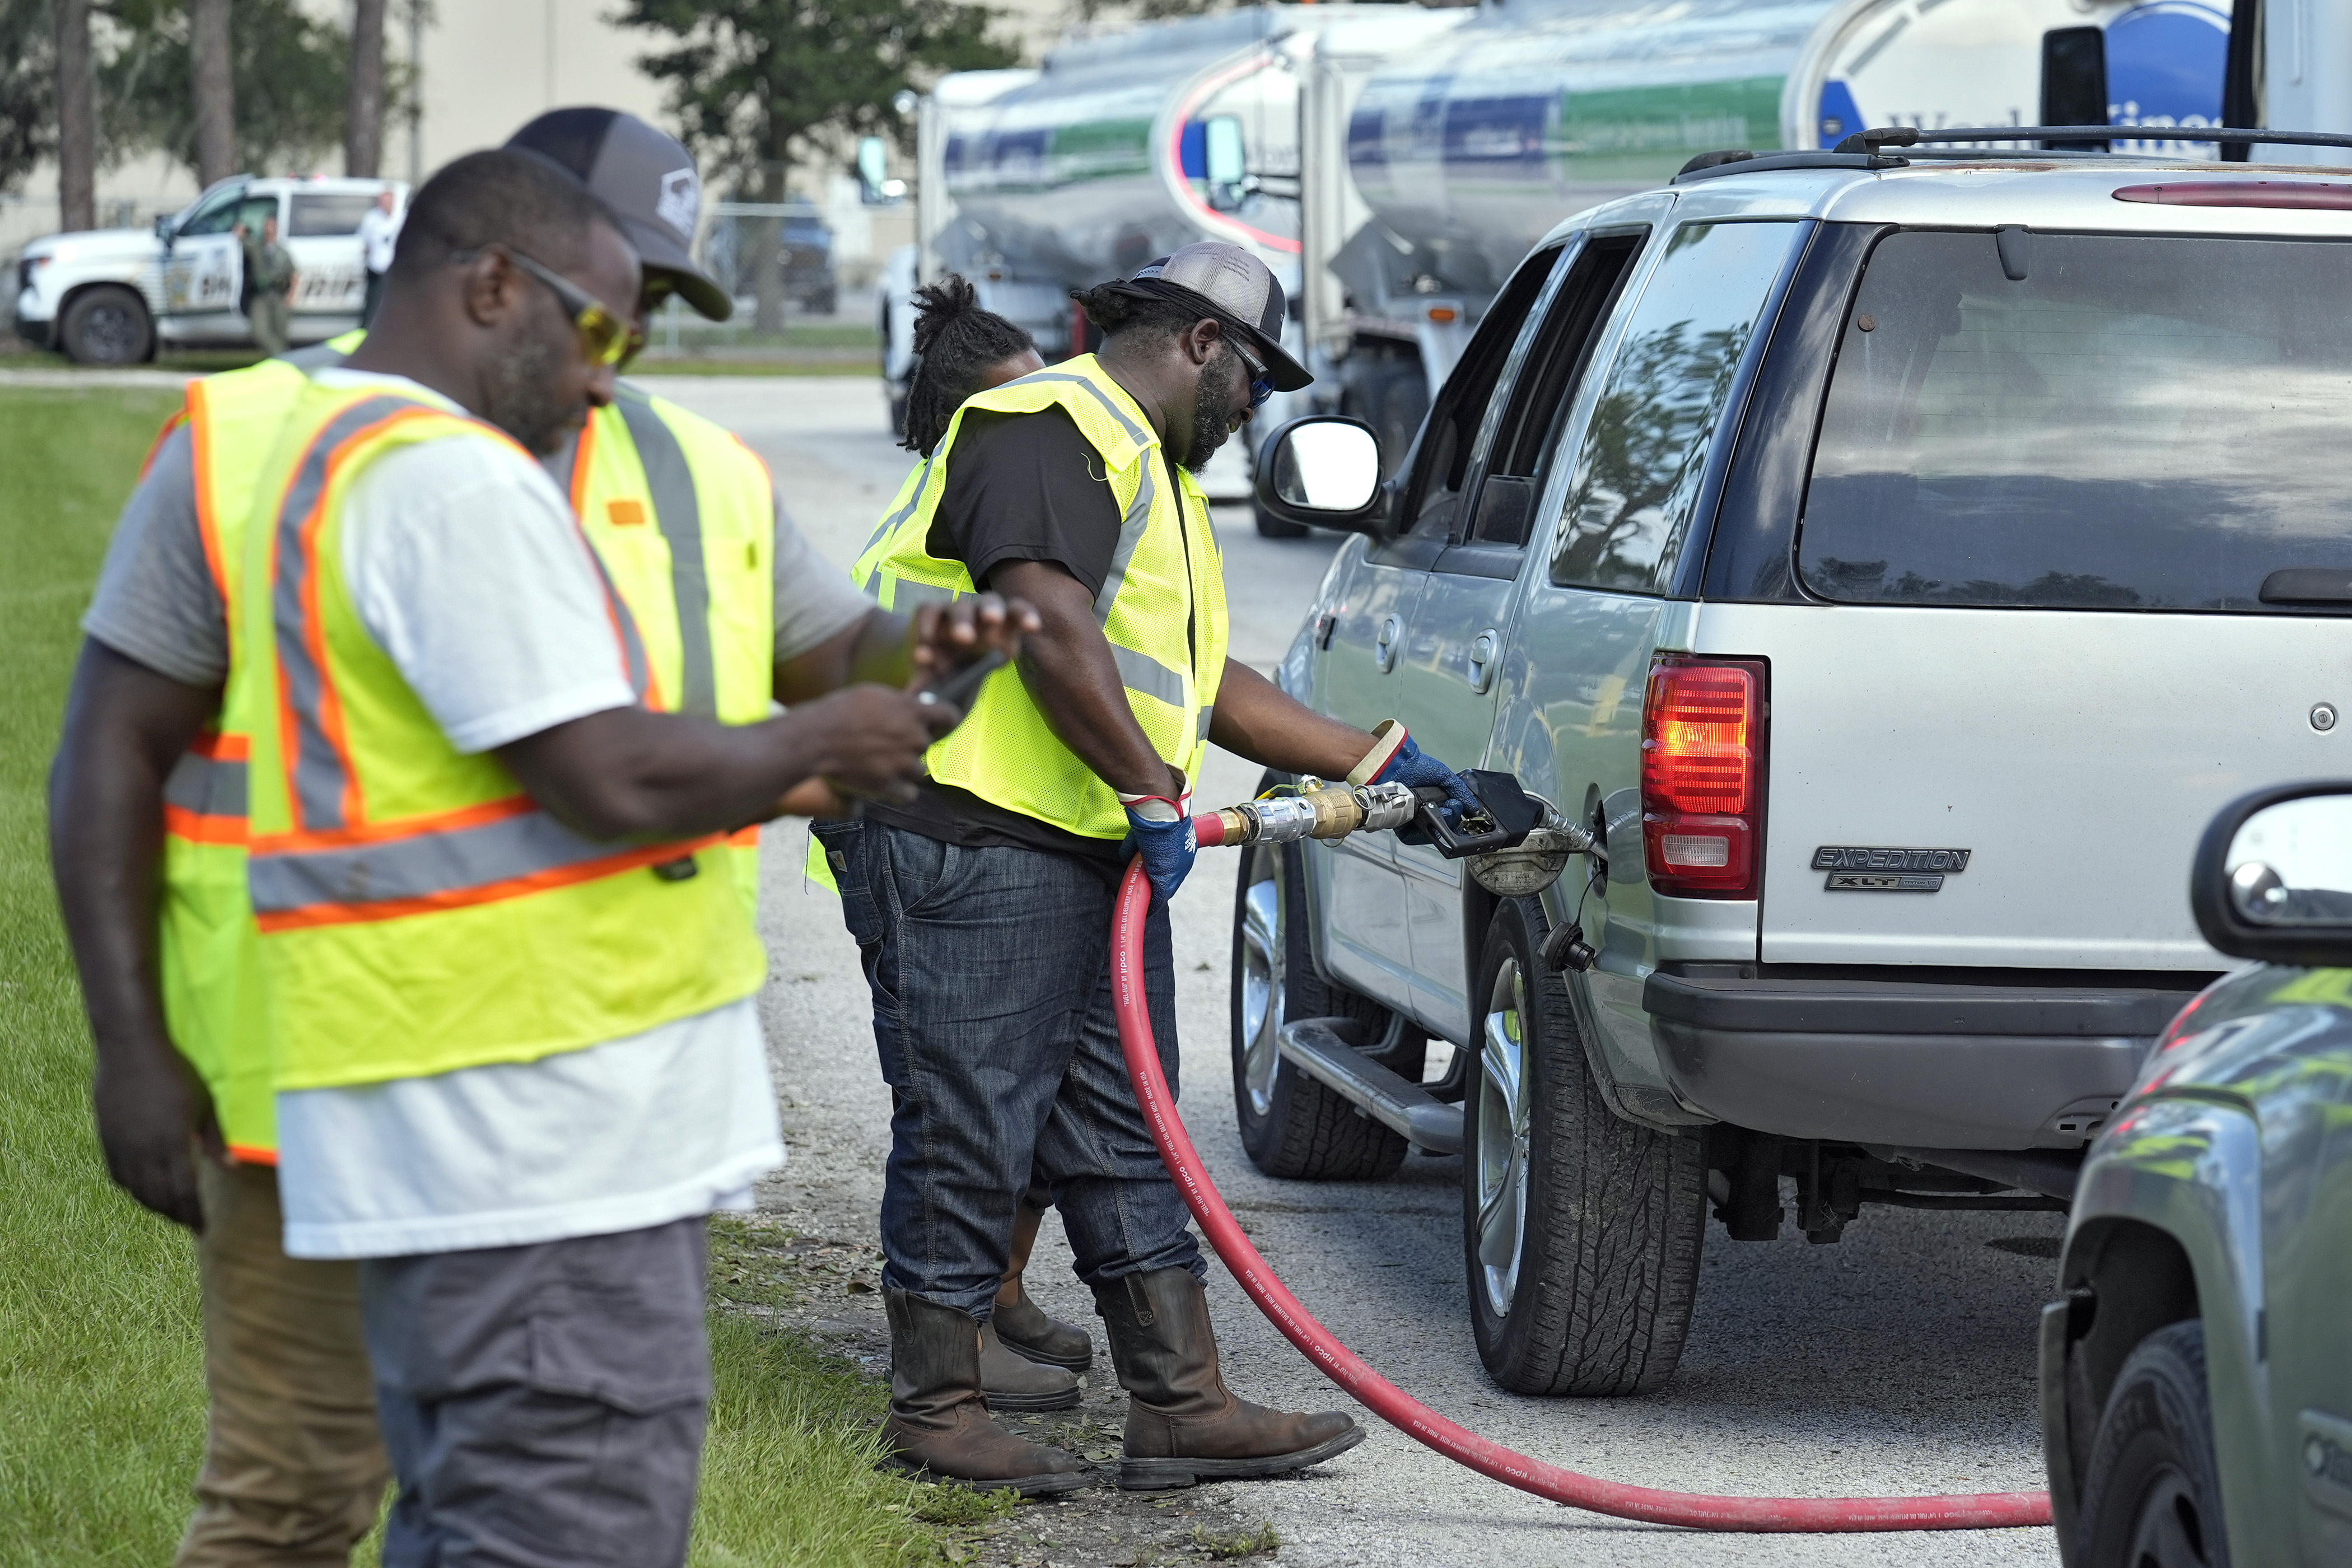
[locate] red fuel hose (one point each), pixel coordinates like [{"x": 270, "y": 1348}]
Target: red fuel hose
[{"x": 1983, "y": 1510}]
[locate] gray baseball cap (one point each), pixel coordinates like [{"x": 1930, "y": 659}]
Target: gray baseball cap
[
  {"x": 646, "y": 177},
  {"x": 1235, "y": 287}
]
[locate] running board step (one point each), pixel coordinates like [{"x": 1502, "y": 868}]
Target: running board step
[{"x": 1315, "y": 1047}]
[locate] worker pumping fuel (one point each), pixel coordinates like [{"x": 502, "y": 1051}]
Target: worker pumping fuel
[{"x": 1072, "y": 487}]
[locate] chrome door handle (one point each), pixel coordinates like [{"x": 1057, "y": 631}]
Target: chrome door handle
[
  {"x": 1482, "y": 661},
  {"x": 1385, "y": 649}
]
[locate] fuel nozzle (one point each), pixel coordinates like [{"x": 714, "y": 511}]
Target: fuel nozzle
[{"x": 1318, "y": 811}]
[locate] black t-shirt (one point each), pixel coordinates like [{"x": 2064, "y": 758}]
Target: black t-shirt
[
  {"x": 1020, "y": 486},
  {"x": 1026, "y": 487}
]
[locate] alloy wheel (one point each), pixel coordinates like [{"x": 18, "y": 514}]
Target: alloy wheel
[
  {"x": 2169, "y": 1530},
  {"x": 1262, "y": 990},
  {"x": 1503, "y": 1119}
]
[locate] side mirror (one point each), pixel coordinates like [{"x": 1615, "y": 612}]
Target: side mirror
[
  {"x": 2274, "y": 876},
  {"x": 1323, "y": 470}
]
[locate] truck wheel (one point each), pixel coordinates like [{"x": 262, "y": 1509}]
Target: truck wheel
[
  {"x": 2152, "y": 1494},
  {"x": 106, "y": 325},
  {"x": 1274, "y": 527},
  {"x": 1581, "y": 1232},
  {"x": 1292, "y": 1126}
]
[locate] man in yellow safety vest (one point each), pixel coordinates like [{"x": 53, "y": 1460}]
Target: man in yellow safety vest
[
  {"x": 1073, "y": 487},
  {"x": 293, "y": 1466}
]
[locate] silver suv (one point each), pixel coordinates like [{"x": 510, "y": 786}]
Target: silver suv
[{"x": 1893, "y": 563}]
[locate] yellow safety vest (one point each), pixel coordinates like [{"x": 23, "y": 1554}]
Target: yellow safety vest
[
  {"x": 1162, "y": 608},
  {"x": 418, "y": 913},
  {"x": 207, "y": 963},
  {"x": 682, "y": 516}
]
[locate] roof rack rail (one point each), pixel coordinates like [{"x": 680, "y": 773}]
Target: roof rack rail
[
  {"x": 1713, "y": 165},
  {"x": 1881, "y": 137}
]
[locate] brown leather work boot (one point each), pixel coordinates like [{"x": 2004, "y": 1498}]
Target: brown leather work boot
[
  {"x": 1182, "y": 1424},
  {"x": 1022, "y": 1325},
  {"x": 1014, "y": 1382},
  {"x": 938, "y": 1428}
]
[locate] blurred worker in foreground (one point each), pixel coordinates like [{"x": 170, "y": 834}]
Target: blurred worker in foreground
[
  {"x": 270, "y": 279},
  {"x": 596, "y": 1143},
  {"x": 1073, "y": 487}
]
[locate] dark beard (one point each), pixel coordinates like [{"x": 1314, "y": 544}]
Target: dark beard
[
  {"x": 1212, "y": 408},
  {"x": 519, "y": 398}
]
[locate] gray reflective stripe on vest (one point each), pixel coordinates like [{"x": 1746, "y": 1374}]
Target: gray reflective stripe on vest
[
  {"x": 677, "y": 510},
  {"x": 911, "y": 595},
  {"x": 1130, "y": 538},
  {"x": 317, "y": 357},
  {"x": 1136, "y": 433},
  {"x": 208, "y": 786},
  {"x": 890, "y": 524},
  {"x": 449, "y": 861},
  {"x": 636, "y": 663},
  {"x": 1200, "y": 734},
  {"x": 1141, "y": 672},
  {"x": 319, "y": 780}
]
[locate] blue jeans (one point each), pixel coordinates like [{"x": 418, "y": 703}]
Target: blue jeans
[{"x": 990, "y": 974}]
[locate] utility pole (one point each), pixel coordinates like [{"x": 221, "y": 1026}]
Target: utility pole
[
  {"x": 211, "y": 89},
  {"x": 363, "y": 112},
  {"x": 416, "y": 92},
  {"x": 77, "y": 117}
]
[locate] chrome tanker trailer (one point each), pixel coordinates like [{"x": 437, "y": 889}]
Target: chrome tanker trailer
[
  {"x": 1123, "y": 146},
  {"x": 1394, "y": 162},
  {"x": 1461, "y": 155}
]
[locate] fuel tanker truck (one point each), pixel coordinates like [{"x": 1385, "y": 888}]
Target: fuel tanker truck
[{"x": 1393, "y": 163}]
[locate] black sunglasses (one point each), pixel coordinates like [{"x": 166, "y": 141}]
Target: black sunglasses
[
  {"x": 604, "y": 337},
  {"x": 1261, "y": 386}
]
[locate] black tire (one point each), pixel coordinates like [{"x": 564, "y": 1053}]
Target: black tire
[
  {"x": 106, "y": 325},
  {"x": 1292, "y": 1126},
  {"x": 1595, "y": 1296},
  {"x": 2152, "y": 1493},
  {"x": 1274, "y": 527}
]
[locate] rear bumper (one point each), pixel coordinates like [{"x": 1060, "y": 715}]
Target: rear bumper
[{"x": 1949, "y": 1066}]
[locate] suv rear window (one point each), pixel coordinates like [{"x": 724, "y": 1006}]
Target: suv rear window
[{"x": 2137, "y": 422}]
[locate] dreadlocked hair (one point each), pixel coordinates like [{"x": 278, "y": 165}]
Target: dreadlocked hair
[
  {"x": 1113, "y": 312},
  {"x": 955, "y": 343}
]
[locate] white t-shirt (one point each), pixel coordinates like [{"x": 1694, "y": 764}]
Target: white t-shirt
[
  {"x": 467, "y": 566},
  {"x": 379, "y": 233}
]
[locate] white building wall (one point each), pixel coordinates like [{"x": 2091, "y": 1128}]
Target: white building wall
[{"x": 488, "y": 66}]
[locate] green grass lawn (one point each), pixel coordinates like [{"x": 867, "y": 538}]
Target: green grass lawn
[{"x": 102, "y": 1390}]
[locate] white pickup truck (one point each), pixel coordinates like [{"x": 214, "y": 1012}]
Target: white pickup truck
[{"x": 112, "y": 296}]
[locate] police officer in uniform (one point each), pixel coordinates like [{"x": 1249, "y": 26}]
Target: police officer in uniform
[{"x": 983, "y": 908}]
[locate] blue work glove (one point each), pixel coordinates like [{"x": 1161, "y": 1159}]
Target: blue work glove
[
  {"x": 1160, "y": 830},
  {"x": 1394, "y": 759}
]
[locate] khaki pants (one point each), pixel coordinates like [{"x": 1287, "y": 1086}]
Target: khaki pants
[
  {"x": 268, "y": 316},
  {"x": 294, "y": 1469}
]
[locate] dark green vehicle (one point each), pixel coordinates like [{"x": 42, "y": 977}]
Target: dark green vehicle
[{"x": 2197, "y": 1374}]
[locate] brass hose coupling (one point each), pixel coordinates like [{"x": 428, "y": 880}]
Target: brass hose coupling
[{"x": 1319, "y": 811}]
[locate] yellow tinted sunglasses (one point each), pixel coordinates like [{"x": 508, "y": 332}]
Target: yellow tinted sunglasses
[{"x": 604, "y": 338}]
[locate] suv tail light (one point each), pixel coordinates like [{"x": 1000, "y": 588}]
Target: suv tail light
[{"x": 1702, "y": 775}]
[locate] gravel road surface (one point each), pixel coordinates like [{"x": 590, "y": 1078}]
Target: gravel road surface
[{"x": 1899, "y": 1361}]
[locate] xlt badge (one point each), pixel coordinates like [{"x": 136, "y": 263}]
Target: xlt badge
[{"x": 1878, "y": 870}]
